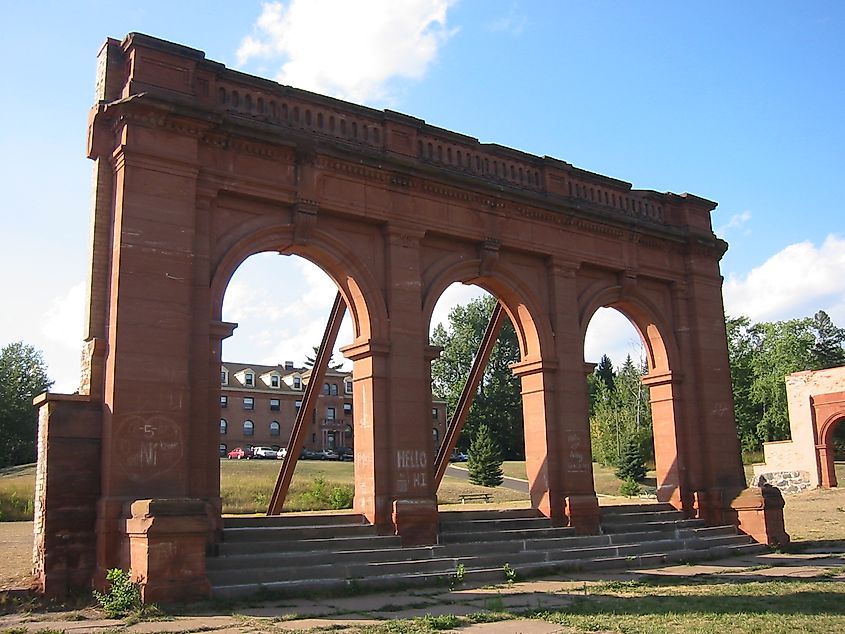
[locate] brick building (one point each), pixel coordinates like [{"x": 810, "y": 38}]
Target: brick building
[{"x": 259, "y": 403}]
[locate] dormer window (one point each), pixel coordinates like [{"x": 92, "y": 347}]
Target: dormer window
[
  {"x": 347, "y": 387},
  {"x": 224, "y": 377},
  {"x": 297, "y": 383},
  {"x": 274, "y": 380},
  {"x": 249, "y": 379}
]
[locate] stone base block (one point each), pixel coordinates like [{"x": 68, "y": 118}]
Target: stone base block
[
  {"x": 758, "y": 512},
  {"x": 167, "y": 540},
  {"x": 582, "y": 513},
  {"x": 416, "y": 521}
]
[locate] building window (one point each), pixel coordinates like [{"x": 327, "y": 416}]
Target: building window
[
  {"x": 434, "y": 413},
  {"x": 274, "y": 381},
  {"x": 333, "y": 389},
  {"x": 224, "y": 402},
  {"x": 275, "y": 405},
  {"x": 347, "y": 436},
  {"x": 313, "y": 438},
  {"x": 249, "y": 428},
  {"x": 297, "y": 405},
  {"x": 347, "y": 387},
  {"x": 223, "y": 449},
  {"x": 436, "y": 434},
  {"x": 249, "y": 379},
  {"x": 330, "y": 413},
  {"x": 297, "y": 383},
  {"x": 249, "y": 402},
  {"x": 275, "y": 428},
  {"x": 347, "y": 409},
  {"x": 224, "y": 426},
  {"x": 224, "y": 377},
  {"x": 326, "y": 389}
]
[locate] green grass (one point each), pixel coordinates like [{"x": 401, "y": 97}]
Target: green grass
[
  {"x": 17, "y": 490},
  {"x": 664, "y": 606},
  {"x": 689, "y": 605}
]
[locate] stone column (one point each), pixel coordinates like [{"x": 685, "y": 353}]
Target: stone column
[
  {"x": 665, "y": 405},
  {"x": 555, "y": 406},
  {"x": 410, "y": 443}
]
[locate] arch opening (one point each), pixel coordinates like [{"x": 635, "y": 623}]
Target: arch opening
[
  {"x": 280, "y": 305},
  {"x": 458, "y": 320},
  {"x": 632, "y": 413}
]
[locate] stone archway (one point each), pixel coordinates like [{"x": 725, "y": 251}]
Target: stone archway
[{"x": 198, "y": 166}]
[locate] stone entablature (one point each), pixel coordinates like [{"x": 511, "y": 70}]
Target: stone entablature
[{"x": 263, "y": 104}]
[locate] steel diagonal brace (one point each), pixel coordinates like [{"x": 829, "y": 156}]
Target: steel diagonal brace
[
  {"x": 309, "y": 402},
  {"x": 468, "y": 393}
]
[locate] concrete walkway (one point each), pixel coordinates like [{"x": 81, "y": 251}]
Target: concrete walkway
[{"x": 346, "y": 614}]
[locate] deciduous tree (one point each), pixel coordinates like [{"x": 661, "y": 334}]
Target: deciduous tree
[
  {"x": 498, "y": 402},
  {"x": 23, "y": 376}
]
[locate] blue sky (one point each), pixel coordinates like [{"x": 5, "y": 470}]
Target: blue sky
[{"x": 738, "y": 102}]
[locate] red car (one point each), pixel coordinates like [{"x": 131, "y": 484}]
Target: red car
[{"x": 239, "y": 452}]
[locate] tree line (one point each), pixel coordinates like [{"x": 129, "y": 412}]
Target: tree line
[{"x": 761, "y": 355}]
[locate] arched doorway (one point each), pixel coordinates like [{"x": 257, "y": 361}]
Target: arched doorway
[{"x": 621, "y": 432}]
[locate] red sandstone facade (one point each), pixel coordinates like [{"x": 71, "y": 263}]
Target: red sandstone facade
[{"x": 198, "y": 167}]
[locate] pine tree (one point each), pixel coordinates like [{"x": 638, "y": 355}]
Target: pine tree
[
  {"x": 632, "y": 461},
  {"x": 485, "y": 462}
]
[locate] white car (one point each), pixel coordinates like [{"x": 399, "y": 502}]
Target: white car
[
  {"x": 264, "y": 452},
  {"x": 282, "y": 453}
]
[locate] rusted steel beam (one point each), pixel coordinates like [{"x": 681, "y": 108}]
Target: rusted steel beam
[
  {"x": 468, "y": 393},
  {"x": 309, "y": 402}
]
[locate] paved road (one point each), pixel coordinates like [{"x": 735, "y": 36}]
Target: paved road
[{"x": 515, "y": 484}]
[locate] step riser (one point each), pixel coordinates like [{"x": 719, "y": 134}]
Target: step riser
[
  {"x": 296, "y": 533},
  {"x": 536, "y": 533},
  {"x": 492, "y": 526},
  {"x": 294, "y": 520},
  {"x": 324, "y": 545}
]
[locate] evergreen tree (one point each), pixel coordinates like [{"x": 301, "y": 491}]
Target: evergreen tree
[
  {"x": 604, "y": 371},
  {"x": 631, "y": 465},
  {"x": 312, "y": 358},
  {"x": 827, "y": 352},
  {"x": 485, "y": 462}
]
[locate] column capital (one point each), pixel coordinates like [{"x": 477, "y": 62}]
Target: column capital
[
  {"x": 222, "y": 329},
  {"x": 667, "y": 377},
  {"x": 532, "y": 366},
  {"x": 370, "y": 348}
]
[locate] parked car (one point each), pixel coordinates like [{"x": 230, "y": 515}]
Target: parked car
[
  {"x": 281, "y": 453},
  {"x": 238, "y": 453},
  {"x": 457, "y": 456},
  {"x": 264, "y": 452},
  {"x": 308, "y": 454},
  {"x": 345, "y": 453},
  {"x": 328, "y": 454}
]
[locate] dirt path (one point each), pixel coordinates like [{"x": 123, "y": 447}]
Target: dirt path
[{"x": 15, "y": 554}]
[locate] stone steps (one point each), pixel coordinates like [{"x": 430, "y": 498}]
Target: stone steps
[{"x": 339, "y": 553}]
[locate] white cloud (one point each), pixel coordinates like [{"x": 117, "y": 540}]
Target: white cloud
[
  {"x": 737, "y": 221},
  {"x": 456, "y": 294},
  {"x": 61, "y": 332},
  {"x": 795, "y": 282},
  {"x": 351, "y": 50},
  {"x": 610, "y": 333}
]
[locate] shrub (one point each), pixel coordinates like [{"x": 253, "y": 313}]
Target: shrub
[
  {"x": 630, "y": 487},
  {"x": 122, "y": 598}
]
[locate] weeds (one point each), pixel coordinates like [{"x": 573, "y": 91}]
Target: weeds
[
  {"x": 510, "y": 574},
  {"x": 122, "y": 598}
]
